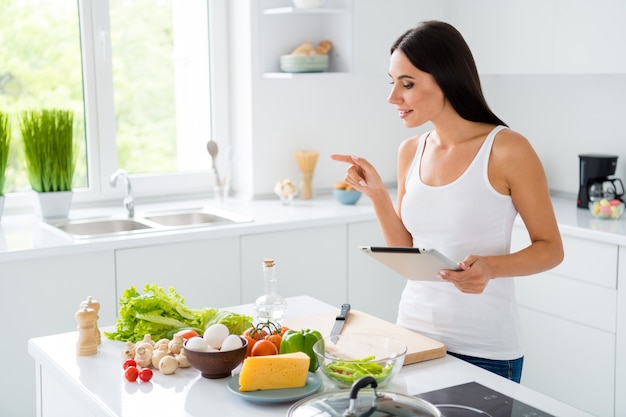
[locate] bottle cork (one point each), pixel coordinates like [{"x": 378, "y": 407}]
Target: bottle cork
[
  {"x": 86, "y": 318},
  {"x": 95, "y": 305}
]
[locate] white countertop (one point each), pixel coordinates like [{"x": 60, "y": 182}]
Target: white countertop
[
  {"x": 97, "y": 381},
  {"x": 26, "y": 236}
]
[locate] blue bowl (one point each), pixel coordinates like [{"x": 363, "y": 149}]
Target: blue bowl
[{"x": 347, "y": 197}]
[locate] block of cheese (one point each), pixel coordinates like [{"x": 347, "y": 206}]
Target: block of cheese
[{"x": 287, "y": 370}]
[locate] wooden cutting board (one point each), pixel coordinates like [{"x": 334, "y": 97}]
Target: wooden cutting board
[{"x": 419, "y": 348}]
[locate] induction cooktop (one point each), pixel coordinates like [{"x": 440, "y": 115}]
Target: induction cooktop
[{"x": 473, "y": 399}]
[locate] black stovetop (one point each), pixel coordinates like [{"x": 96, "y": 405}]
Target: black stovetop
[{"x": 474, "y": 399}]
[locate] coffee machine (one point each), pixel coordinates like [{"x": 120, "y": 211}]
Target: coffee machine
[{"x": 596, "y": 180}]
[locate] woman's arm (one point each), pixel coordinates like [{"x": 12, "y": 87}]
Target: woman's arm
[{"x": 515, "y": 169}]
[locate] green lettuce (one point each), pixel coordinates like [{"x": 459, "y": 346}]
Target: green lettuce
[{"x": 161, "y": 313}]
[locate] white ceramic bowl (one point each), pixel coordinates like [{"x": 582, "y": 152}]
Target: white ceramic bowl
[{"x": 308, "y": 63}]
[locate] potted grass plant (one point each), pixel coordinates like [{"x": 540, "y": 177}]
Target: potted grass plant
[
  {"x": 50, "y": 153},
  {"x": 5, "y": 142}
]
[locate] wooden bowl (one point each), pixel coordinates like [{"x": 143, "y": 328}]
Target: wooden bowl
[{"x": 214, "y": 365}]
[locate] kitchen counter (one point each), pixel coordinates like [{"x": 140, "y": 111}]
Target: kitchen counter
[
  {"x": 26, "y": 236},
  {"x": 71, "y": 385}
]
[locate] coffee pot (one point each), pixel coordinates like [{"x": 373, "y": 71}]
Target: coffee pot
[
  {"x": 596, "y": 179},
  {"x": 610, "y": 189}
]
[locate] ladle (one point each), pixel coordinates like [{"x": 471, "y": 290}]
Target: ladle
[{"x": 211, "y": 146}]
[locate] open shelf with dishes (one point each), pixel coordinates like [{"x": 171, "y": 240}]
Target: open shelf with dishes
[{"x": 282, "y": 28}]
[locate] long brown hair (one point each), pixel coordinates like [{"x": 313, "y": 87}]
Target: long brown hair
[{"x": 437, "y": 48}]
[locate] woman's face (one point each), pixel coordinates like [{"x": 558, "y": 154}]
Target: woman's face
[{"x": 415, "y": 93}]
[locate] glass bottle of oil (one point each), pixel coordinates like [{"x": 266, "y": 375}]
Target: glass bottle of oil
[{"x": 270, "y": 306}]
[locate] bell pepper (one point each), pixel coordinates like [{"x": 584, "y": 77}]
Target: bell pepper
[{"x": 301, "y": 341}]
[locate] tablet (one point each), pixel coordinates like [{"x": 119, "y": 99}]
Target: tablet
[{"x": 412, "y": 263}]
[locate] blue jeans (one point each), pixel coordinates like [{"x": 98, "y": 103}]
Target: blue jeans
[{"x": 510, "y": 369}]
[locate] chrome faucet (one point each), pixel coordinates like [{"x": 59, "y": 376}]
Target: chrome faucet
[{"x": 129, "y": 202}]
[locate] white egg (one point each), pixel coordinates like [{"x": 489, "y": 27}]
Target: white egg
[
  {"x": 197, "y": 344},
  {"x": 215, "y": 334},
  {"x": 231, "y": 342}
]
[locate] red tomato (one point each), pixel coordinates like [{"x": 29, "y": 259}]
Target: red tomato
[
  {"x": 264, "y": 348},
  {"x": 129, "y": 362},
  {"x": 131, "y": 373},
  {"x": 145, "y": 374},
  {"x": 275, "y": 339},
  {"x": 254, "y": 333}
]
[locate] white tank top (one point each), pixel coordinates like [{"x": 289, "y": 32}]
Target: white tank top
[{"x": 466, "y": 216}]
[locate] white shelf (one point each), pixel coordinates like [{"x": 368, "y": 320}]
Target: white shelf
[
  {"x": 295, "y": 75},
  {"x": 281, "y": 29},
  {"x": 294, "y": 10}
]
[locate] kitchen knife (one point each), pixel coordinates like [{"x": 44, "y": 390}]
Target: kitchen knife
[{"x": 340, "y": 320}]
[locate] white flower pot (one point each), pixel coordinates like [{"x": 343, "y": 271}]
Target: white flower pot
[{"x": 53, "y": 205}]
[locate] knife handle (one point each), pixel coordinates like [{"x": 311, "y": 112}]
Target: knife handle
[{"x": 345, "y": 309}]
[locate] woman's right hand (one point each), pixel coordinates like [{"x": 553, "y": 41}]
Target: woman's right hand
[{"x": 361, "y": 175}]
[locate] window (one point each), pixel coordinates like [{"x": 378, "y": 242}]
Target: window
[{"x": 136, "y": 72}]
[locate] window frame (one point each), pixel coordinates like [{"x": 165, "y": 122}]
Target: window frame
[{"x": 100, "y": 129}]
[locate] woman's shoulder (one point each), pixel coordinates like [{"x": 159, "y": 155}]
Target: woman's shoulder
[
  {"x": 508, "y": 140},
  {"x": 512, "y": 150}
]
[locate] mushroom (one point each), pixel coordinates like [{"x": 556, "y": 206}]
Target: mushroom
[
  {"x": 168, "y": 365},
  {"x": 160, "y": 342},
  {"x": 158, "y": 354},
  {"x": 176, "y": 344},
  {"x": 183, "y": 362},
  {"x": 143, "y": 355},
  {"x": 147, "y": 339},
  {"x": 129, "y": 351}
]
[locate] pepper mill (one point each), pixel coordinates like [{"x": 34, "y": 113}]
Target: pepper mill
[
  {"x": 86, "y": 318},
  {"x": 95, "y": 305}
]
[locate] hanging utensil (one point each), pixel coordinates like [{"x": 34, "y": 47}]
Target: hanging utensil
[{"x": 211, "y": 146}]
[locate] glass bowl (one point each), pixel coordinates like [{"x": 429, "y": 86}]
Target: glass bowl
[
  {"x": 346, "y": 358},
  {"x": 606, "y": 209}
]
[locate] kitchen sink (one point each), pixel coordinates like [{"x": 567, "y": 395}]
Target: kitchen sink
[
  {"x": 188, "y": 219},
  {"x": 86, "y": 228}
]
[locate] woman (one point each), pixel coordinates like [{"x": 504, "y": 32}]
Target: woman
[{"x": 460, "y": 187}]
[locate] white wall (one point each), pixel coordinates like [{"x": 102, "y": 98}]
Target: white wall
[{"x": 567, "y": 107}]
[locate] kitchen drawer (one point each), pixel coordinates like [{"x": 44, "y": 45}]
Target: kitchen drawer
[
  {"x": 569, "y": 299},
  {"x": 585, "y": 260},
  {"x": 570, "y": 362}
]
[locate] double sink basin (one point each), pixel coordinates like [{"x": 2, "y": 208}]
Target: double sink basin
[{"x": 89, "y": 228}]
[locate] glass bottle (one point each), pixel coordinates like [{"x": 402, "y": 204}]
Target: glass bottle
[{"x": 270, "y": 306}]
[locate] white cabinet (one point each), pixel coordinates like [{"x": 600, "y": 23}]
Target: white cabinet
[
  {"x": 309, "y": 261},
  {"x": 205, "y": 272},
  {"x": 372, "y": 287},
  {"x": 282, "y": 28},
  {"x": 568, "y": 316},
  {"x": 40, "y": 297}
]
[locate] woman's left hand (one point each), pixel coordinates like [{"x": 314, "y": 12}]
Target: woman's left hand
[{"x": 472, "y": 276}]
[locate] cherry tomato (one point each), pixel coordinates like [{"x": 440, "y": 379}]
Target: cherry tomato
[
  {"x": 275, "y": 339},
  {"x": 131, "y": 373},
  {"x": 264, "y": 348},
  {"x": 255, "y": 333},
  {"x": 145, "y": 374},
  {"x": 129, "y": 362}
]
